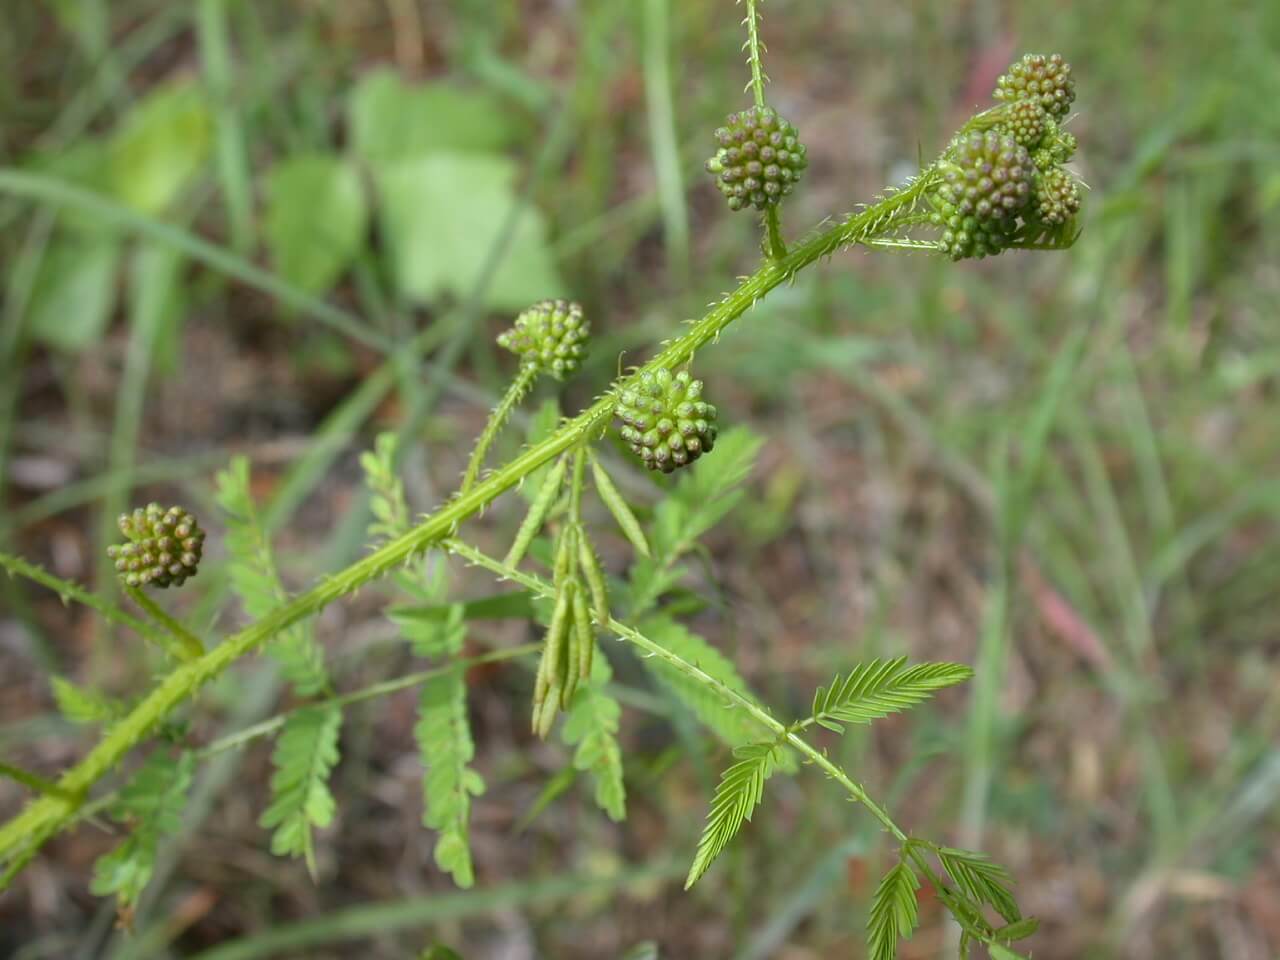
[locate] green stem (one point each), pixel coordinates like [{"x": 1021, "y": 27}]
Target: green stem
[
  {"x": 41, "y": 819},
  {"x": 188, "y": 646},
  {"x": 754, "y": 46},
  {"x": 777, "y": 247},
  {"x": 497, "y": 420}
]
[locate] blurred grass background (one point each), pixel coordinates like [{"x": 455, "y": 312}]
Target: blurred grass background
[{"x": 277, "y": 228}]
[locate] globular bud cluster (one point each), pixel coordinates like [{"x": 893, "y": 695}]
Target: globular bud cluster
[
  {"x": 551, "y": 335},
  {"x": 987, "y": 182},
  {"x": 1005, "y": 183},
  {"x": 163, "y": 549},
  {"x": 1057, "y": 197},
  {"x": 759, "y": 160},
  {"x": 665, "y": 420},
  {"x": 1046, "y": 80}
]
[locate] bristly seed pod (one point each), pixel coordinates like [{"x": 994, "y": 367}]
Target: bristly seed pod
[
  {"x": 1047, "y": 80},
  {"x": 759, "y": 160},
  {"x": 665, "y": 421},
  {"x": 164, "y": 548},
  {"x": 550, "y": 335}
]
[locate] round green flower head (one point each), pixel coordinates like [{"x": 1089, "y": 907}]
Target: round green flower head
[
  {"x": 550, "y": 335},
  {"x": 1027, "y": 123},
  {"x": 1057, "y": 148},
  {"x": 759, "y": 160},
  {"x": 1037, "y": 77},
  {"x": 665, "y": 421},
  {"x": 986, "y": 183},
  {"x": 164, "y": 547},
  {"x": 1057, "y": 197}
]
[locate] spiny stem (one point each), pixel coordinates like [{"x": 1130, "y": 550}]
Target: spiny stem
[
  {"x": 497, "y": 420},
  {"x": 752, "y": 22},
  {"x": 188, "y": 646},
  {"x": 42, "y": 818}
]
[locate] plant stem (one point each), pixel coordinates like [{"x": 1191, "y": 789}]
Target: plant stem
[
  {"x": 752, "y": 22},
  {"x": 188, "y": 646},
  {"x": 497, "y": 420},
  {"x": 42, "y": 818},
  {"x": 777, "y": 247}
]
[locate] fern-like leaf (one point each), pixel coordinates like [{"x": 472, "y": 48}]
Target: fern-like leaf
[
  {"x": 256, "y": 582},
  {"x": 740, "y": 790},
  {"x": 894, "y": 912},
  {"x": 443, "y": 732},
  {"x": 305, "y": 754},
  {"x": 879, "y": 688},
  {"x": 981, "y": 880},
  {"x": 592, "y": 724},
  {"x": 152, "y": 803},
  {"x": 444, "y": 742},
  {"x": 386, "y": 490},
  {"x": 82, "y": 706}
]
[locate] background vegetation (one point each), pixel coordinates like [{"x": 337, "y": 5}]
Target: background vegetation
[{"x": 219, "y": 219}]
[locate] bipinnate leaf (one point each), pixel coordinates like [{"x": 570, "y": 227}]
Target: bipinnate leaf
[
  {"x": 880, "y": 687},
  {"x": 740, "y": 790},
  {"x": 445, "y": 746},
  {"x": 592, "y": 725},
  {"x": 981, "y": 880},
  {"x": 305, "y": 754},
  {"x": 254, "y": 579},
  {"x": 152, "y": 803},
  {"x": 894, "y": 912}
]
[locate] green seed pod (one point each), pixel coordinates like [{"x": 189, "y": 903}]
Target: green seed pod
[
  {"x": 665, "y": 421},
  {"x": 1047, "y": 80},
  {"x": 581, "y": 650},
  {"x": 1057, "y": 197},
  {"x": 759, "y": 160},
  {"x": 550, "y": 335},
  {"x": 164, "y": 546}
]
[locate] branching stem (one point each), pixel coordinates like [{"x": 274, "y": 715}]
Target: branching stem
[
  {"x": 188, "y": 646},
  {"x": 25, "y": 833},
  {"x": 497, "y": 420}
]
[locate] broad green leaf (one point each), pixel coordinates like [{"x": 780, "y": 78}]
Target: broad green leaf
[
  {"x": 390, "y": 120},
  {"x": 160, "y": 146},
  {"x": 316, "y": 219},
  {"x": 442, "y": 216},
  {"x": 74, "y": 292}
]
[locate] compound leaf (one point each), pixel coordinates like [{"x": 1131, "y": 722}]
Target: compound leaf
[{"x": 740, "y": 790}]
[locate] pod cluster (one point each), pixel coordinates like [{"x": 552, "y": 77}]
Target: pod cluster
[
  {"x": 164, "y": 546},
  {"x": 759, "y": 160},
  {"x": 1005, "y": 182},
  {"x": 550, "y": 335},
  {"x": 665, "y": 421}
]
